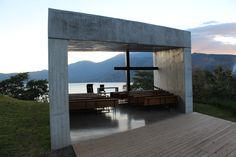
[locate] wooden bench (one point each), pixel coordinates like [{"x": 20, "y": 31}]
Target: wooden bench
[
  {"x": 119, "y": 95},
  {"x": 146, "y": 98},
  {"x": 161, "y": 100},
  {"x": 77, "y": 102}
]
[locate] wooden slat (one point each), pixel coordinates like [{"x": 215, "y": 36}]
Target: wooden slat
[{"x": 183, "y": 135}]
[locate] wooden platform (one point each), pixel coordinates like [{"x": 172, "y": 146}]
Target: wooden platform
[{"x": 191, "y": 135}]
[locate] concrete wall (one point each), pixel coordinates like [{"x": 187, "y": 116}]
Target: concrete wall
[
  {"x": 175, "y": 75},
  {"x": 58, "y": 93}
]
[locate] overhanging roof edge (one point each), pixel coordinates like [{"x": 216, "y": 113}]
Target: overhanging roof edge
[{"x": 86, "y": 27}]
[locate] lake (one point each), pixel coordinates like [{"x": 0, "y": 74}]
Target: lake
[{"x": 81, "y": 87}]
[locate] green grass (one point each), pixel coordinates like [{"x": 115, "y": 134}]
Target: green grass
[
  {"x": 219, "y": 110},
  {"x": 24, "y": 128}
]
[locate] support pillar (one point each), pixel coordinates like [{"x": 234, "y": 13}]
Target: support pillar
[
  {"x": 188, "y": 80},
  {"x": 175, "y": 75},
  {"x": 58, "y": 93}
]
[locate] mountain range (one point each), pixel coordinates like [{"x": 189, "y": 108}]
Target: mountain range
[{"x": 104, "y": 71}]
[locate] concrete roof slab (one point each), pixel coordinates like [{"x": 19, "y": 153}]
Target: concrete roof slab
[
  {"x": 75, "y": 45},
  {"x": 111, "y": 34}
]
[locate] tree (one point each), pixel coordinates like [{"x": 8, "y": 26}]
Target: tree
[
  {"x": 35, "y": 89},
  {"x": 143, "y": 79},
  {"x": 224, "y": 83},
  {"x": 14, "y": 86},
  {"x": 219, "y": 83},
  {"x": 20, "y": 87}
]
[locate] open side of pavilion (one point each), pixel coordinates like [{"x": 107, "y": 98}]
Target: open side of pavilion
[{"x": 71, "y": 31}]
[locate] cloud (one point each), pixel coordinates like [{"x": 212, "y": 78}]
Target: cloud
[
  {"x": 225, "y": 40},
  {"x": 217, "y": 38},
  {"x": 210, "y": 22}
]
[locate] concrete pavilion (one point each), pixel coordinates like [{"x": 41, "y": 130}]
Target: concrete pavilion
[{"x": 71, "y": 31}]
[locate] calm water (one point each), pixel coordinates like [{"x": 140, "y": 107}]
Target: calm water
[{"x": 81, "y": 87}]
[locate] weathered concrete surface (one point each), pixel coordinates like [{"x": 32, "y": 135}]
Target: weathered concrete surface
[
  {"x": 58, "y": 89},
  {"x": 106, "y": 46},
  {"x": 85, "y": 27},
  {"x": 175, "y": 75}
]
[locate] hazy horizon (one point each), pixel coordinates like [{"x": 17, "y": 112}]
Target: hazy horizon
[{"x": 115, "y": 56}]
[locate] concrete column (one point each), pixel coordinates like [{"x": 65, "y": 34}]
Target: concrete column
[
  {"x": 188, "y": 80},
  {"x": 58, "y": 93},
  {"x": 175, "y": 75}
]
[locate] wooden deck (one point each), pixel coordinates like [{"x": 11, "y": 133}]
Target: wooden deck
[{"x": 188, "y": 135}]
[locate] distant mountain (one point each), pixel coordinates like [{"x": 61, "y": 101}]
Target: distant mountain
[
  {"x": 86, "y": 71},
  {"x": 210, "y": 61},
  {"x": 37, "y": 75},
  {"x": 104, "y": 71}
]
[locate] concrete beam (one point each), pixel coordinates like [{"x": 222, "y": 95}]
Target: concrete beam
[
  {"x": 58, "y": 93},
  {"x": 86, "y": 27}
]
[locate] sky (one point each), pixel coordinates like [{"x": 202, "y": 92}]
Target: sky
[{"x": 23, "y": 26}]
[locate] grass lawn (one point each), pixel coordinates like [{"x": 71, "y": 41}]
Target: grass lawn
[
  {"x": 24, "y": 128},
  {"x": 216, "y": 111}
]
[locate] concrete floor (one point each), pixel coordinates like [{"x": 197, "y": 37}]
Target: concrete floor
[{"x": 89, "y": 125}]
